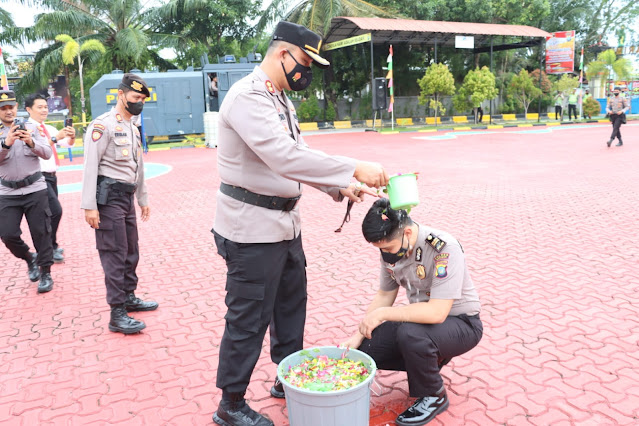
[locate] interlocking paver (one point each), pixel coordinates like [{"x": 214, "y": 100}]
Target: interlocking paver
[{"x": 548, "y": 221}]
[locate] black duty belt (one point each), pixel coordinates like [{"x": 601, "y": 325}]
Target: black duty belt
[
  {"x": 17, "y": 184},
  {"x": 266, "y": 201},
  {"x": 117, "y": 185},
  {"x": 48, "y": 174}
]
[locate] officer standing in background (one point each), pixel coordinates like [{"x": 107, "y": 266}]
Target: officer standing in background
[
  {"x": 263, "y": 162},
  {"x": 617, "y": 108},
  {"x": 113, "y": 173},
  {"x": 23, "y": 192},
  {"x": 36, "y": 106},
  {"x": 573, "y": 98}
]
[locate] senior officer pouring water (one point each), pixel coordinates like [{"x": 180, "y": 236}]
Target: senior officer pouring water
[
  {"x": 113, "y": 173},
  {"x": 263, "y": 162}
]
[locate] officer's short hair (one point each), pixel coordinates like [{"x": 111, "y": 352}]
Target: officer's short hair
[
  {"x": 382, "y": 223},
  {"x": 274, "y": 44},
  {"x": 30, "y": 100}
]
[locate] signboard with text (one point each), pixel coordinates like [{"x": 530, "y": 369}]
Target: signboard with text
[{"x": 560, "y": 52}]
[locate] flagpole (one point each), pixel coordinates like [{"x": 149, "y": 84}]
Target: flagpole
[
  {"x": 581, "y": 83},
  {"x": 391, "y": 86},
  {"x": 4, "y": 82}
]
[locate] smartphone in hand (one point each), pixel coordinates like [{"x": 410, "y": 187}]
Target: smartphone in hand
[{"x": 68, "y": 122}]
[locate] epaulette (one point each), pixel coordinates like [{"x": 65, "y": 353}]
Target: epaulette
[{"x": 435, "y": 242}]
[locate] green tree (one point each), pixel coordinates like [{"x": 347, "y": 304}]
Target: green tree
[
  {"x": 125, "y": 27},
  {"x": 591, "y": 107},
  {"x": 73, "y": 50},
  {"x": 437, "y": 81},
  {"x": 567, "y": 83},
  {"x": 5, "y": 19},
  {"x": 478, "y": 86},
  {"x": 523, "y": 89},
  {"x": 309, "y": 109},
  {"x": 607, "y": 63}
]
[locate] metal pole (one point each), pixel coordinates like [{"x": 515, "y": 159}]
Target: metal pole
[
  {"x": 373, "y": 85},
  {"x": 435, "y": 50},
  {"x": 541, "y": 63},
  {"x": 490, "y": 108}
]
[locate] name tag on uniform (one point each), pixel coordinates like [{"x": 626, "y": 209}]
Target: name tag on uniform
[{"x": 121, "y": 134}]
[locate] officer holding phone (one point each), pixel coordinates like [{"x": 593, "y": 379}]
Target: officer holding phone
[
  {"x": 23, "y": 191},
  {"x": 36, "y": 106}
]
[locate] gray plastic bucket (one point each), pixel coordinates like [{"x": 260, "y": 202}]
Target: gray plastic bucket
[{"x": 348, "y": 407}]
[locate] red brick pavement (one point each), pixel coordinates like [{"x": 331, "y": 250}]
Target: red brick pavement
[{"x": 548, "y": 221}]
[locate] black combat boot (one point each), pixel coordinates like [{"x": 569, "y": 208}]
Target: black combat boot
[
  {"x": 424, "y": 409},
  {"x": 620, "y": 143},
  {"x": 277, "y": 390},
  {"x": 122, "y": 323},
  {"x": 34, "y": 271},
  {"x": 234, "y": 411},
  {"x": 46, "y": 282},
  {"x": 609, "y": 142},
  {"x": 135, "y": 304},
  {"x": 58, "y": 256}
]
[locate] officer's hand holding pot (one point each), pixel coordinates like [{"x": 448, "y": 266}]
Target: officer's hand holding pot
[{"x": 372, "y": 174}]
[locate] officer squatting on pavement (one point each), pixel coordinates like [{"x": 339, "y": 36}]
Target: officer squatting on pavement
[
  {"x": 113, "y": 173},
  {"x": 263, "y": 162},
  {"x": 23, "y": 191},
  {"x": 441, "y": 320}
]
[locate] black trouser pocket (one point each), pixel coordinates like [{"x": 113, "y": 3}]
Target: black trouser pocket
[
  {"x": 47, "y": 219},
  {"x": 245, "y": 302},
  {"x": 105, "y": 237}
]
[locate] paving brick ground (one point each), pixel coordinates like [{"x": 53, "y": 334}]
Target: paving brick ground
[{"x": 548, "y": 220}]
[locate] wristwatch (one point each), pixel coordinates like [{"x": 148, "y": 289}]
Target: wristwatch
[
  {"x": 5, "y": 146},
  {"x": 54, "y": 139}
]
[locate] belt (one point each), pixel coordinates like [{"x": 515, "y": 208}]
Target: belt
[
  {"x": 49, "y": 174},
  {"x": 266, "y": 201},
  {"x": 17, "y": 184},
  {"x": 119, "y": 186}
]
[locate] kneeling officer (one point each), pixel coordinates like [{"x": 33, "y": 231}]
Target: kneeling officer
[{"x": 113, "y": 173}]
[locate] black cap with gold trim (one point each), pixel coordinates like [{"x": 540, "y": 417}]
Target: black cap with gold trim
[
  {"x": 7, "y": 97},
  {"x": 303, "y": 38},
  {"x": 135, "y": 83}
]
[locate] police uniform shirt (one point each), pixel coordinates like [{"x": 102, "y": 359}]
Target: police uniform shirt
[
  {"x": 21, "y": 161},
  {"x": 112, "y": 148},
  {"x": 617, "y": 104},
  {"x": 48, "y": 165},
  {"x": 260, "y": 149},
  {"x": 428, "y": 273}
]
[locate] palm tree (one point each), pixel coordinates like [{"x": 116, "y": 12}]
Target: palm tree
[
  {"x": 607, "y": 63},
  {"x": 316, "y": 15},
  {"x": 124, "y": 27},
  {"x": 72, "y": 50}
]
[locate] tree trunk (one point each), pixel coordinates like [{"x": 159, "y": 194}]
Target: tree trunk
[{"x": 82, "y": 100}]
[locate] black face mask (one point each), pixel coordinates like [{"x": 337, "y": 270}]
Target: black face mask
[
  {"x": 616, "y": 94},
  {"x": 134, "y": 108},
  {"x": 300, "y": 76},
  {"x": 393, "y": 258}
]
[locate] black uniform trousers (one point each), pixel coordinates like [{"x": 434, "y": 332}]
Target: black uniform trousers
[
  {"x": 35, "y": 208},
  {"x": 54, "y": 205},
  {"x": 418, "y": 348},
  {"x": 266, "y": 286},
  {"x": 117, "y": 243},
  {"x": 558, "y": 112},
  {"x": 616, "y": 126},
  {"x": 572, "y": 110},
  {"x": 480, "y": 114}
]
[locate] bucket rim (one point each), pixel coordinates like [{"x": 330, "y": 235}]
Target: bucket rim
[{"x": 366, "y": 382}]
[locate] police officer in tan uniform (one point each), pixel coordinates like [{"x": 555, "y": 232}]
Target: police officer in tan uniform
[
  {"x": 441, "y": 320},
  {"x": 617, "y": 108},
  {"x": 113, "y": 174},
  {"x": 23, "y": 192},
  {"x": 263, "y": 162}
]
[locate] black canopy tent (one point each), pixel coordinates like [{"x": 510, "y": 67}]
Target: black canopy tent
[{"x": 435, "y": 33}]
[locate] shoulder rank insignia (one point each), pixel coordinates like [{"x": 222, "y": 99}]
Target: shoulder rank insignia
[
  {"x": 421, "y": 272},
  {"x": 418, "y": 254},
  {"x": 269, "y": 87},
  {"x": 435, "y": 242}
]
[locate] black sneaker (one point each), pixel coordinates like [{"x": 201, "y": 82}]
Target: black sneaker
[
  {"x": 609, "y": 143},
  {"x": 244, "y": 416},
  {"x": 57, "y": 255},
  {"x": 277, "y": 390},
  {"x": 46, "y": 282},
  {"x": 424, "y": 410}
]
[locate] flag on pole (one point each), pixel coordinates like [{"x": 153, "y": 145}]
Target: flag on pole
[
  {"x": 581, "y": 66},
  {"x": 389, "y": 77},
  {"x": 4, "y": 83}
]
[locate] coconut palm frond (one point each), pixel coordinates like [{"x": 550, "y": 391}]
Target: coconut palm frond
[
  {"x": 5, "y": 19},
  {"x": 47, "y": 62},
  {"x": 92, "y": 45},
  {"x": 48, "y": 25},
  {"x": 70, "y": 52},
  {"x": 131, "y": 42},
  {"x": 622, "y": 68},
  {"x": 272, "y": 14}
]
